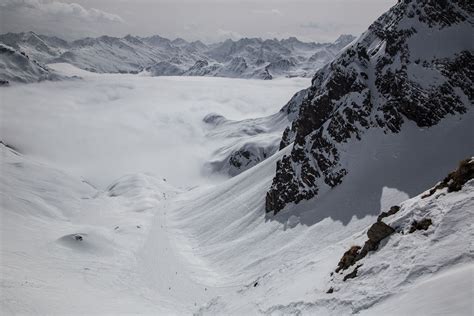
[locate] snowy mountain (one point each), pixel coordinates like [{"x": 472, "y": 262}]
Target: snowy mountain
[
  {"x": 105, "y": 207},
  {"x": 17, "y": 66},
  {"x": 158, "y": 56},
  {"x": 250, "y": 141},
  {"x": 213, "y": 251},
  {"x": 412, "y": 67},
  {"x": 409, "y": 240}
]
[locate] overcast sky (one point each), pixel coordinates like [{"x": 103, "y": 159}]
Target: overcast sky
[{"x": 206, "y": 20}]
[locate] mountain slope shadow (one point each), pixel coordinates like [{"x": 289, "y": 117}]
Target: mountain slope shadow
[{"x": 384, "y": 169}]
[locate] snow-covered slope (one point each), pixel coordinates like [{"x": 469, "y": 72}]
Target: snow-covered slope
[
  {"x": 246, "y": 143},
  {"x": 158, "y": 56},
  {"x": 89, "y": 225},
  {"x": 143, "y": 247},
  {"x": 137, "y": 245},
  {"x": 414, "y": 65},
  {"x": 287, "y": 267},
  {"x": 67, "y": 247},
  {"x": 16, "y": 66}
]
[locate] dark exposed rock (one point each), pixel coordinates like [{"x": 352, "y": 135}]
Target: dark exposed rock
[
  {"x": 378, "y": 231},
  {"x": 394, "y": 209},
  {"x": 239, "y": 157},
  {"x": 369, "y": 245},
  {"x": 456, "y": 179},
  {"x": 421, "y": 225},
  {"x": 331, "y": 290},
  {"x": 348, "y": 259},
  {"x": 371, "y": 86},
  {"x": 353, "y": 274}
]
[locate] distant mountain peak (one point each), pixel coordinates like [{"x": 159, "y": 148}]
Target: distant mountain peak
[{"x": 243, "y": 58}]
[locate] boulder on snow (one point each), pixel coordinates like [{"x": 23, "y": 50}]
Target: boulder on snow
[
  {"x": 379, "y": 231},
  {"x": 420, "y": 225},
  {"x": 376, "y": 233}
]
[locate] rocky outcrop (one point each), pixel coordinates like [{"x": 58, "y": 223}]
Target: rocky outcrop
[
  {"x": 424, "y": 224},
  {"x": 348, "y": 259},
  {"x": 393, "y": 210},
  {"x": 353, "y": 274},
  {"x": 380, "y": 230},
  {"x": 376, "y": 83},
  {"x": 376, "y": 233},
  {"x": 456, "y": 179}
]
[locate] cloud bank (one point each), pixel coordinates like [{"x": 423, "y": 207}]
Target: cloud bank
[{"x": 55, "y": 18}]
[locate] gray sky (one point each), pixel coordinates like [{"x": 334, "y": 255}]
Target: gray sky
[{"x": 206, "y": 20}]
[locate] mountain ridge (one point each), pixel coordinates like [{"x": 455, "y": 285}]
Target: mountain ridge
[
  {"x": 158, "y": 56},
  {"x": 382, "y": 80}
]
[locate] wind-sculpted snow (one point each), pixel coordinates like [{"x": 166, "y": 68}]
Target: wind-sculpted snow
[
  {"x": 383, "y": 80},
  {"x": 158, "y": 56}
]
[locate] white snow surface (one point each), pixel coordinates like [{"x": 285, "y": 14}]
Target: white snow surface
[{"x": 105, "y": 209}]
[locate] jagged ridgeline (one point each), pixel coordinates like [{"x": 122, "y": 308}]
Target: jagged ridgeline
[
  {"x": 244, "y": 58},
  {"x": 415, "y": 63}
]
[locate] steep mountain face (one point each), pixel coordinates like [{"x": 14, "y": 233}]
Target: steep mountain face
[
  {"x": 414, "y": 65},
  {"x": 244, "y": 58},
  {"x": 18, "y": 66},
  {"x": 245, "y": 143},
  {"x": 248, "y": 142}
]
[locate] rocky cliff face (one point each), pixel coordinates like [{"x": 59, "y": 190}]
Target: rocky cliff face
[{"x": 415, "y": 63}]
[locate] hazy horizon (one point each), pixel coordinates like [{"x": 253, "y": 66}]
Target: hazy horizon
[{"x": 209, "y": 21}]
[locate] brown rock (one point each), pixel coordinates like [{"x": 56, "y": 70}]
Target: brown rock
[
  {"x": 394, "y": 209},
  {"x": 353, "y": 274},
  {"x": 421, "y": 225},
  {"x": 456, "y": 179},
  {"x": 378, "y": 231},
  {"x": 348, "y": 259}
]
